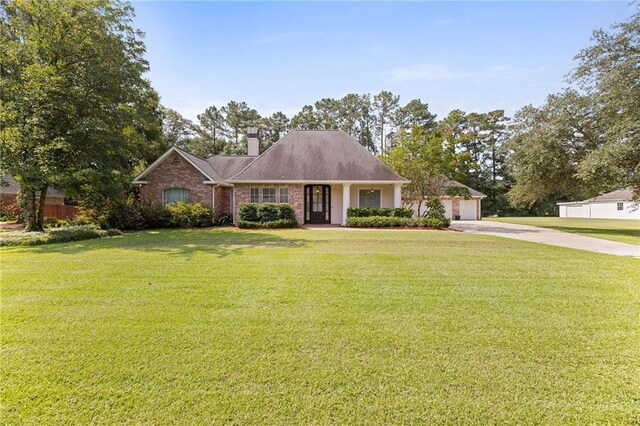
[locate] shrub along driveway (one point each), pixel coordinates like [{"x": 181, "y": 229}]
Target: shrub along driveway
[{"x": 309, "y": 326}]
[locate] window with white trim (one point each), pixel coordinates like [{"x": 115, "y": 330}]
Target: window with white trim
[
  {"x": 174, "y": 195},
  {"x": 284, "y": 195},
  {"x": 254, "y": 195},
  {"x": 620, "y": 206},
  {"x": 268, "y": 195},
  {"x": 369, "y": 198}
]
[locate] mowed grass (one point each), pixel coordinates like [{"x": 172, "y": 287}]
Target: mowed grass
[
  {"x": 318, "y": 327},
  {"x": 622, "y": 230}
]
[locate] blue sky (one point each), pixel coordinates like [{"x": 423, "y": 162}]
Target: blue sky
[{"x": 474, "y": 56}]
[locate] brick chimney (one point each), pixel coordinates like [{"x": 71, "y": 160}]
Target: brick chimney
[{"x": 253, "y": 145}]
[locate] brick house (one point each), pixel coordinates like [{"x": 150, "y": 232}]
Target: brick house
[{"x": 320, "y": 173}]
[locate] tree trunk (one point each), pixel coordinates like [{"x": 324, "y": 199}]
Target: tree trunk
[
  {"x": 41, "y": 204},
  {"x": 27, "y": 203}
]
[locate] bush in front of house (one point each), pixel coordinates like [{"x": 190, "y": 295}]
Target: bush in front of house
[
  {"x": 396, "y": 222},
  {"x": 225, "y": 219},
  {"x": 55, "y": 235},
  {"x": 122, "y": 214},
  {"x": 381, "y": 212},
  {"x": 274, "y": 224},
  {"x": 190, "y": 215},
  {"x": 266, "y": 215},
  {"x": 135, "y": 215},
  {"x": 435, "y": 209},
  {"x": 154, "y": 215}
]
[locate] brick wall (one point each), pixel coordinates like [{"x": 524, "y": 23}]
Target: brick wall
[
  {"x": 176, "y": 172},
  {"x": 296, "y": 198},
  {"x": 455, "y": 207},
  {"x": 223, "y": 196}
]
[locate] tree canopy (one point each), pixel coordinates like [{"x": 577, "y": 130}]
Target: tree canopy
[
  {"x": 76, "y": 111},
  {"x": 584, "y": 140}
]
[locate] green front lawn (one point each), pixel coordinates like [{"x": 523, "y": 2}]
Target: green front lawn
[
  {"x": 317, "y": 326},
  {"x": 622, "y": 230}
]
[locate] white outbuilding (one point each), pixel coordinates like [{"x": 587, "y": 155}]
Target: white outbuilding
[{"x": 612, "y": 205}]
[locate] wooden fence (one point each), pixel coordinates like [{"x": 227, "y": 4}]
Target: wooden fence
[{"x": 60, "y": 211}]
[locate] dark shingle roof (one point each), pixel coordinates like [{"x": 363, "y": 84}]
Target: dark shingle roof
[
  {"x": 12, "y": 187},
  {"x": 316, "y": 155},
  {"x": 456, "y": 184},
  {"x": 203, "y": 165},
  {"x": 618, "y": 195},
  {"x": 228, "y": 165}
]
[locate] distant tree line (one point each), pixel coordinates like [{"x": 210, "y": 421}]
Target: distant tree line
[
  {"x": 376, "y": 122},
  {"x": 371, "y": 120}
]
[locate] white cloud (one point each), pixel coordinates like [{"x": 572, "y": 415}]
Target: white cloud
[{"x": 436, "y": 72}]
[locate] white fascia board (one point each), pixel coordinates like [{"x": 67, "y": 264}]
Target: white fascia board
[{"x": 568, "y": 203}]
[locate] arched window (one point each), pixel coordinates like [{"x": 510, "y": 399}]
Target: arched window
[{"x": 173, "y": 195}]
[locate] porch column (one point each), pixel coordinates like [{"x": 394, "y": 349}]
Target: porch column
[
  {"x": 397, "y": 195},
  {"x": 346, "y": 201}
]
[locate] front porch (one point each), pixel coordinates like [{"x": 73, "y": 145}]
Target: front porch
[{"x": 328, "y": 203}]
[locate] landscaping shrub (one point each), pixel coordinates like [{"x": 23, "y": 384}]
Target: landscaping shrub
[
  {"x": 52, "y": 222},
  {"x": 435, "y": 209},
  {"x": 266, "y": 212},
  {"x": 8, "y": 212},
  {"x": 225, "y": 219},
  {"x": 274, "y": 224},
  {"x": 154, "y": 215},
  {"x": 395, "y": 222},
  {"x": 189, "y": 215},
  {"x": 381, "y": 212},
  {"x": 123, "y": 214},
  {"x": 248, "y": 212},
  {"x": 56, "y": 235}
]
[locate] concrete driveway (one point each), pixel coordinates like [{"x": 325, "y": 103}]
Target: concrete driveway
[{"x": 546, "y": 236}]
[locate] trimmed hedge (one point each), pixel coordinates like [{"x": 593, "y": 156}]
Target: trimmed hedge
[
  {"x": 396, "y": 222},
  {"x": 266, "y": 212},
  {"x": 56, "y": 235},
  {"x": 274, "y": 224},
  {"x": 381, "y": 212}
]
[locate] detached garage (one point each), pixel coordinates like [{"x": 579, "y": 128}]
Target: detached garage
[
  {"x": 613, "y": 205},
  {"x": 455, "y": 207}
]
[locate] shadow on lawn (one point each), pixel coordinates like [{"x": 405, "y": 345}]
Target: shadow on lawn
[{"x": 218, "y": 242}]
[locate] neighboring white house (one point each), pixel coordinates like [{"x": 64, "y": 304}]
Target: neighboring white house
[{"x": 613, "y": 205}]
